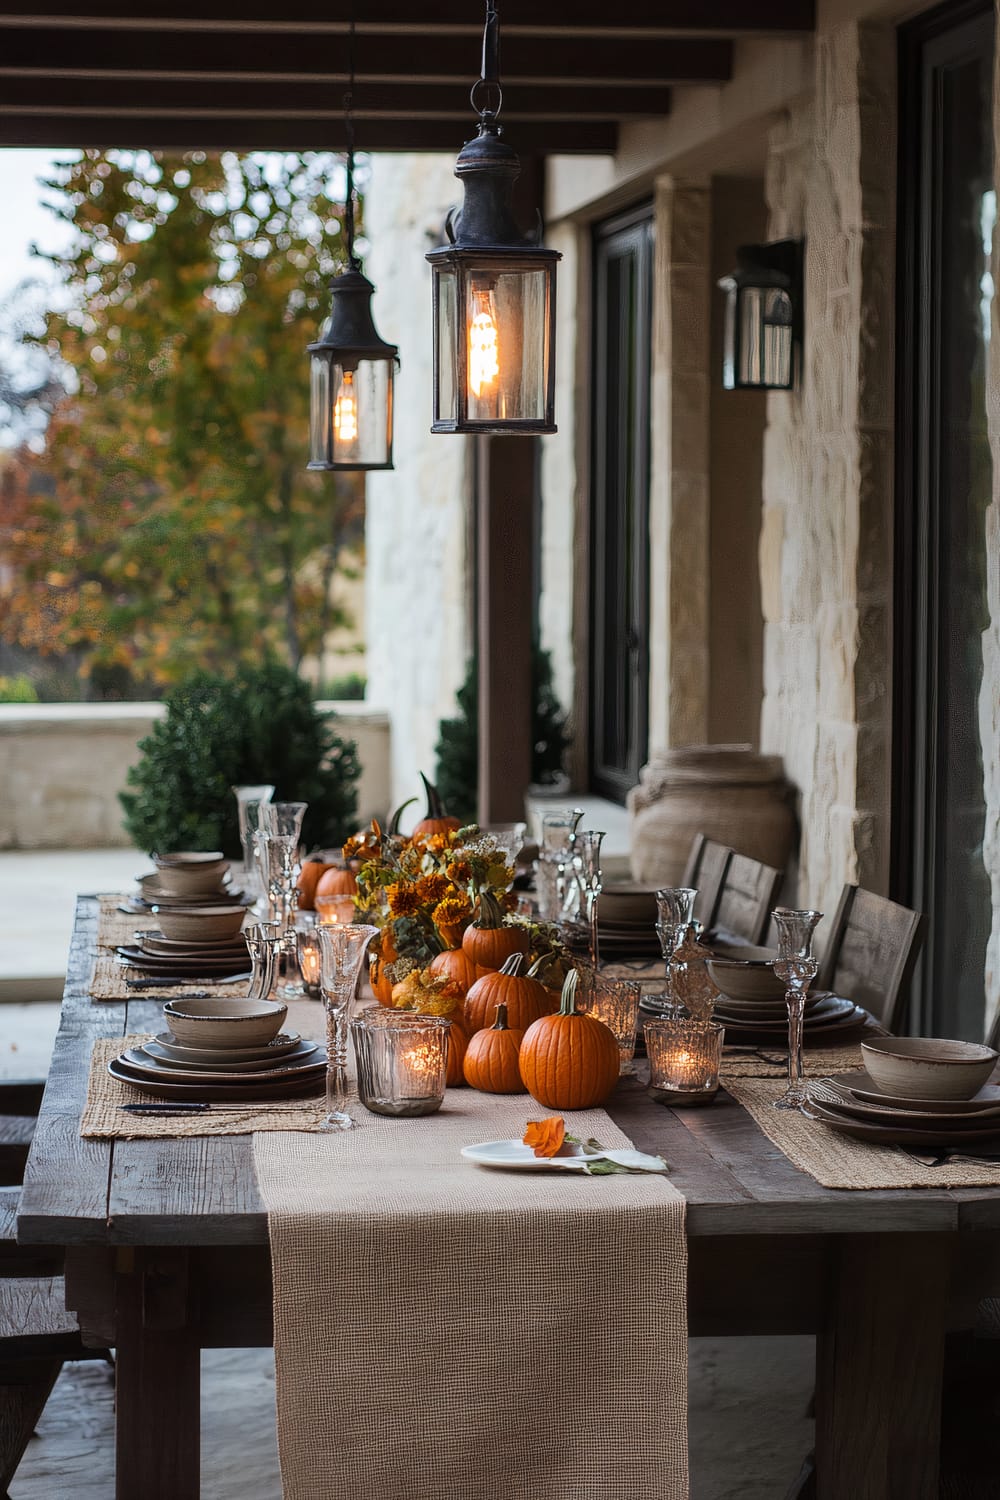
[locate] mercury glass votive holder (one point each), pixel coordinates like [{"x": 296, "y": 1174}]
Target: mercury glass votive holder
[
  {"x": 334, "y": 911},
  {"x": 616, "y": 1003},
  {"x": 684, "y": 1058},
  {"x": 402, "y": 1061},
  {"x": 309, "y": 960}
]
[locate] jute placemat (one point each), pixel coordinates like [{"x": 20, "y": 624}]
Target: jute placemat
[
  {"x": 103, "y": 1116},
  {"x": 772, "y": 1062},
  {"x": 107, "y": 982},
  {"x": 114, "y": 926},
  {"x": 837, "y": 1162},
  {"x": 446, "y": 1332}
]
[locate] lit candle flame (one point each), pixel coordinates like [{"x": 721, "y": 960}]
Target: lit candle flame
[
  {"x": 345, "y": 411},
  {"x": 484, "y": 360}
]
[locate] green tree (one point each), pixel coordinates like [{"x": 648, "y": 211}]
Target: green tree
[{"x": 170, "y": 523}]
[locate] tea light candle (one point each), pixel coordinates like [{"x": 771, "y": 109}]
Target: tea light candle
[
  {"x": 309, "y": 960},
  {"x": 684, "y": 1060},
  {"x": 419, "y": 1073},
  {"x": 333, "y": 911},
  {"x": 402, "y": 1060}
]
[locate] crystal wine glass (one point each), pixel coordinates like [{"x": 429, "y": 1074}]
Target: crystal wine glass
[
  {"x": 796, "y": 966},
  {"x": 249, "y": 801},
  {"x": 558, "y": 839},
  {"x": 279, "y": 861},
  {"x": 285, "y": 819},
  {"x": 264, "y": 942},
  {"x": 675, "y": 912},
  {"x": 342, "y": 951},
  {"x": 587, "y": 865}
]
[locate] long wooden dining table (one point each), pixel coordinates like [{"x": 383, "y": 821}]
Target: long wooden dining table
[{"x": 166, "y": 1249}]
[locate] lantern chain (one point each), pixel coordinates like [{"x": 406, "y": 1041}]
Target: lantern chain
[
  {"x": 352, "y": 260},
  {"x": 487, "y": 85}
]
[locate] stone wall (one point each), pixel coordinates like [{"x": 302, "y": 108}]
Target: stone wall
[
  {"x": 62, "y": 766},
  {"x": 417, "y": 518},
  {"x": 825, "y": 551}
]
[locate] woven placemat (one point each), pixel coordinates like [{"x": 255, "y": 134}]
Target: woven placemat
[
  {"x": 107, "y": 982},
  {"x": 837, "y": 1162},
  {"x": 772, "y": 1062},
  {"x": 102, "y": 1115},
  {"x": 114, "y": 926},
  {"x": 446, "y": 1332}
]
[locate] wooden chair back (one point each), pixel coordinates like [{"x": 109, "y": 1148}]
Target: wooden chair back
[
  {"x": 871, "y": 952},
  {"x": 705, "y": 871},
  {"x": 746, "y": 900}
]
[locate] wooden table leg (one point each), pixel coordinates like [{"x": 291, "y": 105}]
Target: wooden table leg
[
  {"x": 157, "y": 1383},
  {"x": 878, "y": 1368}
]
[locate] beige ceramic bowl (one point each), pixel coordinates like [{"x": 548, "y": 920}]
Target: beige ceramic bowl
[
  {"x": 224, "y": 1023},
  {"x": 190, "y": 874},
  {"x": 919, "y": 1067},
  {"x": 746, "y": 979},
  {"x": 202, "y": 924}
]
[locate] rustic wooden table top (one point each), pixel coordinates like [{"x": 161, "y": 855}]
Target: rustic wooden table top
[{"x": 201, "y": 1191}]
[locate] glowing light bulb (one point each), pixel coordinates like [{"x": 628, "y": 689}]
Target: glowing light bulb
[
  {"x": 345, "y": 411},
  {"x": 484, "y": 351}
]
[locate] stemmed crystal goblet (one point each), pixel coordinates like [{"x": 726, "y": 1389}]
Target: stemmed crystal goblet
[
  {"x": 796, "y": 966},
  {"x": 675, "y": 912},
  {"x": 558, "y": 840},
  {"x": 342, "y": 950},
  {"x": 264, "y": 941},
  {"x": 587, "y": 867},
  {"x": 249, "y": 801},
  {"x": 284, "y": 819},
  {"x": 279, "y": 860}
]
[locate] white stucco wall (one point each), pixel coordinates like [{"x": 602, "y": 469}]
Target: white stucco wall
[{"x": 417, "y": 628}]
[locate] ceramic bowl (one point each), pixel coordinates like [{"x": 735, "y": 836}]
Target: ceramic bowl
[
  {"x": 920, "y": 1067},
  {"x": 625, "y": 902},
  {"x": 202, "y": 924},
  {"x": 224, "y": 1023},
  {"x": 190, "y": 874},
  {"x": 746, "y": 979}
]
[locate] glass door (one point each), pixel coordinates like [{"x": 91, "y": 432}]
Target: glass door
[{"x": 947, "y": 215}]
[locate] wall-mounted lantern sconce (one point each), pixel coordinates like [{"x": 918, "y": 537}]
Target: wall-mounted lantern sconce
[
  {"x": 494, "y": 290},
  {"x": 762, "y": 342}
]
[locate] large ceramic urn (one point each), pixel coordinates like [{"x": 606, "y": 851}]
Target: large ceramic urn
[{"x": 728, "y": 792}]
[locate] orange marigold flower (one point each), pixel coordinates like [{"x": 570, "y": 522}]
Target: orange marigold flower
[
  {"x": 546, "y": 1137},
  {"x": 432, "y": 888},
  {"x": 436, "y": 841},
  {"x": 403, "y": 900},
  {"x": 459, "y": 870},
  {"x": 354, "y": 846},
  {"x": 452, "y": 909}
]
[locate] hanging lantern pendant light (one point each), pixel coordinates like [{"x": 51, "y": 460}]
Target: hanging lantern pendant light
[
  {"x": 494, "y": 289},
  {"x": 350, "y": 419}
]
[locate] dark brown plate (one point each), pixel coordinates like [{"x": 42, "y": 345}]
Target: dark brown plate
[
  {"x": 902, "y": 1135},
  {"x": 309, "y": 1086},
  {"x": 865, "y": 1089}
]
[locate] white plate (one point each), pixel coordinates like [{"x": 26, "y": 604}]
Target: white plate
[{"x": 516, "y": 1154}]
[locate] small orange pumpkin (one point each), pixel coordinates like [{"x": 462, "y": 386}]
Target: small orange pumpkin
[
  {"x": 491, "y": 1058},
  {"x": 524, "y": 998},
  {"x": 569, "y": 1061},
  {"x": 336, "y": 881},
  {"x": 458, "y": 1043},
  {"x": 487, "y": 941},
  {"x": 310, "y": 874},
  {"x": 436, "y": 819},
  {"x": 457, "y": 964},
  {"x": 384, "y": 954}
]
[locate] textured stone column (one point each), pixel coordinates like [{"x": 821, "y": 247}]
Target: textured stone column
[{"x": 679, "y": 478}]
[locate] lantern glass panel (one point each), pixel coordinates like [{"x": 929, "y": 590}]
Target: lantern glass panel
[
  {"x": 320, "y": 403},
  {"x": 360, "y": 412},
  {"x": 446, "y": 346},
  {"x": 765, "y": 337},
  {"x": 506, "y": 323}
]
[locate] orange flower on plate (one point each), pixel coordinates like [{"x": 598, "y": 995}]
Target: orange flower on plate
[{"x": 546, "y": 1137}]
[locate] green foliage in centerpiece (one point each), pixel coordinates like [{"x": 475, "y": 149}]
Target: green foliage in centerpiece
[{"x": 260, "y": 725}]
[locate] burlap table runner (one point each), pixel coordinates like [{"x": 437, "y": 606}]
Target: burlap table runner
[
  {"x": 772, "y": 1062},
  {"x": 446, "y": 1332},
  {"x": 836, "y": 1162},
  {"x": 103, "y": 1116},
  {"x": 114, "y": 926},
  {"x": 107, "y": 982}
]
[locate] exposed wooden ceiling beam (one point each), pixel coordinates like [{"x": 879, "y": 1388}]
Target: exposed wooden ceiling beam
[
  {"x": 55, "y": 129},
  {"x": 536, "y": 17},
  {"x": 100, "y": 96},
  {"x": 552, "y": 60}
]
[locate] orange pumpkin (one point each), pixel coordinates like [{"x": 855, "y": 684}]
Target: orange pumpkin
[
  {"x": 491, "y": 1058},
  {"x": 436, "y": 819},
  {"x": 310, "y": 874},
  {"x": 458, "y": 1043},
  {"x": 382, "y": 985},
  {"x": 336, "y": 881},
  {"x": 488, "y": 942},
  {"x": 524, "y": 998},
  {"x": 457, "y": 964},
  {"x": 569, "y": 1061}
]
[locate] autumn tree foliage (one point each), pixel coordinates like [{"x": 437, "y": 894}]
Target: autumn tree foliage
[{"x": 170, "y": 522}]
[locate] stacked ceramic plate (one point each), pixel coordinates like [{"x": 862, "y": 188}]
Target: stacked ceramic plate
[
  {"x": 156, "y": 954},
  {"x": 752, "y": 999},
  {"x": 854, "y": 1105},
  {"x": 286, "y": 1067},
  {"x": 626, "y": 921},
  {"x": 190, "y": 880}
]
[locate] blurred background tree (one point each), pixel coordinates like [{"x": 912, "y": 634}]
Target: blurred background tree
[{"x": 169, "y": 522}]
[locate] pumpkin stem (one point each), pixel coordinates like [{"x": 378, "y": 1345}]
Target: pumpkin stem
[
  {"x": 394, "y": 820},
  {"x": 567, "y": 1001},
  {"x": 490, "y": 914},
  {"x": 541, "y": 965},
  {"x": 500, "y": 1024},
  {"x": 435, "y": 805},
  {"x": 512, "y": 966}
]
